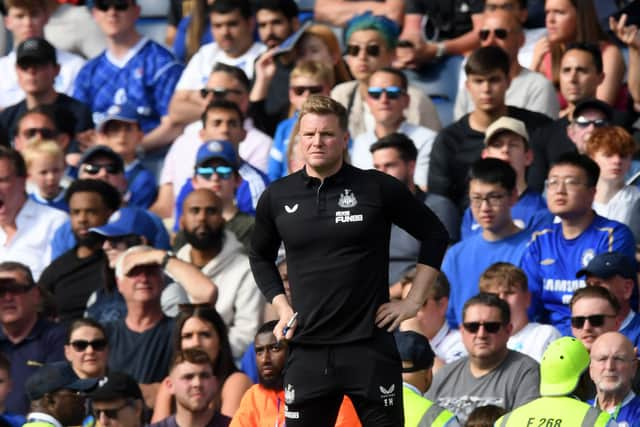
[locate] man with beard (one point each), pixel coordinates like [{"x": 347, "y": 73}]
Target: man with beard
[
  {"x": 263, "y": 404},
  {"x": 194, "y": 386},
  {"x": 221, "y": 257},
  {"x": 77, "y": 273}
]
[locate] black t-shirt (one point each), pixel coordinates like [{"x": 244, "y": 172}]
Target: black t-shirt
[
  {"x": 145, "y": 356},
  {"x": 336, "y": 234},
  {"x": 218, "y": 420},
  {"x": 72, "y": 280},
  {"x": 72, "y": 116},
  {"x": 445, "y": 19},
  {"x": 174, "y": 14},
  {"x": 457, "y": 146}
]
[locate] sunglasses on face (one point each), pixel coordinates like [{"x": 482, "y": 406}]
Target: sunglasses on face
[
  {"x": 119, "y": 5},
  {"x": 583, "y": 122},
  {"x": 370, "y": 49},
  {"x": 595, "y": 320},
  {"x": 13, "y": 287},
  {"x": 93, "y": 169},
  {"x": 301, "y": 90},
  {"x": 500, "y": 33},
  {"x": 474, "y": 327},
  {"x": 109, "y": 413},
  {"x": 219, "y": 93},
  {"x": 82, "y": 345},
  {"x": 223, "y": 172},
  {"x": 44, "y": 133},
  {"x": 393, "y": 92}
]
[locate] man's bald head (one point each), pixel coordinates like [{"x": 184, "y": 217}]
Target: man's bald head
[
  {"x": 613, "y": 364},
  {"x": 202, "y": 194}
]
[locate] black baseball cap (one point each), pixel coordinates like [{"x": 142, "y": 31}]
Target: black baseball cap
[
  {"x": 36, "y": 50},
  {"x": 593, "y": 104},
  {"x": 101, "y": 150},
  {"x": 53, "y": 377},
  {"x": 609, "y": 264},
  {"x": 414, "y": 348},
  {"x": 116, "y": 385}
]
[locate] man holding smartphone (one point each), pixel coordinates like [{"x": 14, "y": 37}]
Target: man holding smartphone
[{"x": 335, "y": 220}]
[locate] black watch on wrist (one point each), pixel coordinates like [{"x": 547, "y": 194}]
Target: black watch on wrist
[{"x": 165, "y": 259}]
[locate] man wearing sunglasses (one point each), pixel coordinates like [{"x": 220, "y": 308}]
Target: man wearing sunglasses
[
  {"x": 117, "y": 401},
  {"x": 594, "y": 311},
  {"x": 491, "y": 374},
  {"x": 528, "y": 89}
]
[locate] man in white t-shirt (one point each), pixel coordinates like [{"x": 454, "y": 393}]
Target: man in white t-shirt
[
  {"x": 510, "y": 284},
  {"x": 26, "y": 19},
  {"x": 232, "y": 26}
]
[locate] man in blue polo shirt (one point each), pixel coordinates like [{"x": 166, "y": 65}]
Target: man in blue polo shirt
[
  {"x": 556, "y": 253},
  {"x": 26, "y": 339}
]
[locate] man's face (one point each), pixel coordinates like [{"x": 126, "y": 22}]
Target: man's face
[
  {"x": 87, "y": 210},
  {"x": 143, "y": 284},
  {"x": 34, "y": 126},
  {"x": 193, "y": 385},
  {"x": 579, "y": 78},
  {"x": 387, "y": 99},
  {"x": 25, "y": 24},
  {"x": 517, "y": 298},
  {"x": 568, "y": 193},
  {"x": 270, "y": 358},
  {"x": 483, "y": 344},
  {"x": 232, "y": 32},
  {"x": 502, "y": 29},
  {"x": 488, "y": 91},
  {"x": 491, "y": 205},
  {"x": 273, "y": 27},
  {"x": 17, "y": 304},
  {"x": 590, "y": 318},
  {"x": 36, "y": 78},
  {"x": 510, "y": 6},
  {"x": 388, "y": 160},
  {"x": 301, "y": 87},
  {"x": 122, "y": 137},
  {"x": 202, "y": 220},
  {"x": 12, "y": 192},
  {"x": 621, "y": 288},
  {"x": 582, "y": 125},
  {"x": 117, "y": 412},
  {"x": 223, "y": 125},
  {"x": 322, "y": 141},
  {"x": 105, "y": 169},
  {"x": 113, "y": 22},
  {"x": 230, "y": 87},
  {"x": 511, "y": 148},
  {"x": 613, "y": 166},
  {"x": 222, "y": 181},
  {"x": 367, "y": 52},
  {"x": 613, "y": 364}
]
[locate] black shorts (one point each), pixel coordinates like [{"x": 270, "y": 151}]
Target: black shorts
[{"x": 369, "y": 372}]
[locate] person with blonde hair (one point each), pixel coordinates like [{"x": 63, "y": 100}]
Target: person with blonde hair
[{"x": 45, "y": 173}]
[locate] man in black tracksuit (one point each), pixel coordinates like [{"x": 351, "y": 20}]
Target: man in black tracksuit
[{"x": 335, "y": 222}]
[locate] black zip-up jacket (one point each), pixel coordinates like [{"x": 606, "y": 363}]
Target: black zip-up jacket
[{"x": 336, "y": 236}]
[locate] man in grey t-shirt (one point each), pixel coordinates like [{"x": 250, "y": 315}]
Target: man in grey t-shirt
[{"x": 491, "y": 374}]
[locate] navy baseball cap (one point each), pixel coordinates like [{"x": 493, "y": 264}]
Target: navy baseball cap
[
  {"x": 101, "y": 150},
  {"x": 609, "y": 264},
  {"x": 116, "y": 385},
  {"x": 127, "y": 221},
  {"x": 415, "y": 348},
  {"x": 122, "y": 113},
  {"x": 53, "y": 377},
  {"x": 222, "y": 150},
  {"x": 36, "y": 50}
]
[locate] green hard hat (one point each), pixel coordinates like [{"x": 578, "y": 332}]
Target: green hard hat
[{"x": 561, "y": 366}]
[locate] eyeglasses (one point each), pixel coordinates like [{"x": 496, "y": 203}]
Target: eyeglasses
[
  {"x": 474, "y": 327},
  {"x": 492, "y": 199},
  {"x": 13, "y": 287},
  {"x": 500, "y": 33},
  {"x": 370, "y": 49},
  {"x": 119, "y": 5},
  {"x": 595, "y": 320},
  {"x": 44, "y": 133},
  {"x": 219, "y": 92},
  {"x": 300, "y": 90},
  {"x": 94, "y": 169},
  {"x": 583, "y": 122},
  {"x": 393, "y": 92},
  {"x": 223, "y": 172},
  {"x": 569, "y": 182},
  {"x": 110, "y": 413},
  {"x": 82, "y": 345}
]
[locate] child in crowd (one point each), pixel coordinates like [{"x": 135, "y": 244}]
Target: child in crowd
[
  {"x": 14, "y": 420},
  {"x": 45, "y": 169},
  {"x": 307, "y": 78},
  {"x": 121, "y": 132},
  {"x": 510, "y": 284}
]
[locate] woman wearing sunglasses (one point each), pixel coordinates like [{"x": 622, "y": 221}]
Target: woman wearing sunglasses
[
  {"x": 200, "y": 325},
  {"x": 87, "y": 348}
]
